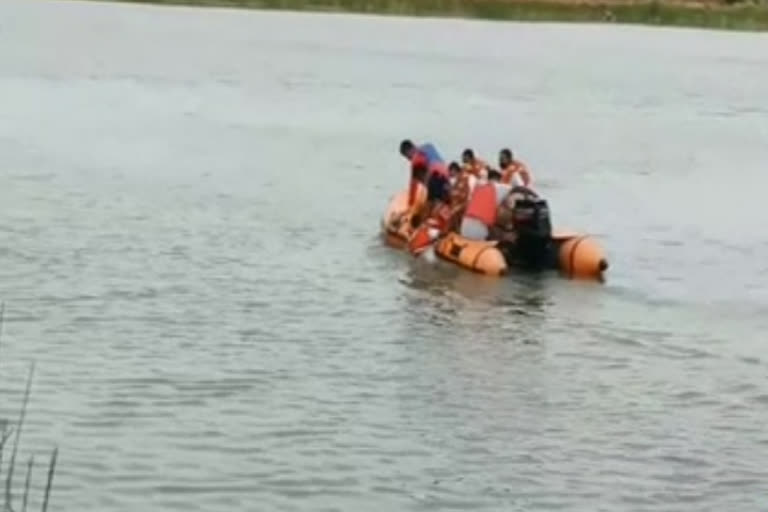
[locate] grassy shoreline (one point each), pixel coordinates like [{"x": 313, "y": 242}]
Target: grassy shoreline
[{"x": 708, "y": 14}]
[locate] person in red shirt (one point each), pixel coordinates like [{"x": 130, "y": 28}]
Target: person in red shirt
[
  {"x": 428, "y": 168},
  {"x": 436, "y": 179}
]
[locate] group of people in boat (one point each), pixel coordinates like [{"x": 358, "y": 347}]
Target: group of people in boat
[{"x": 472, "y": 197}]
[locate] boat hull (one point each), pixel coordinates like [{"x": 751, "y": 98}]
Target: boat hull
[{"x": 574, "y": 255}]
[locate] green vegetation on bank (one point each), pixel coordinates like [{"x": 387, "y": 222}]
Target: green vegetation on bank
[{"x": 739, "y": 15}]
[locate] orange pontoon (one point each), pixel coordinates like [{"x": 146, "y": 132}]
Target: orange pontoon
[{"x": 575, "y": 255}]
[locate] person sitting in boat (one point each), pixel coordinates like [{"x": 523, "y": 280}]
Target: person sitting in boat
[
  {"x": 514, "y": 172},
  {"x": 461, "y": 187},
  {"x": 472, "y": 164},
  {"x": 454, "y": 171},
  {"x": 482, "y": 206}
]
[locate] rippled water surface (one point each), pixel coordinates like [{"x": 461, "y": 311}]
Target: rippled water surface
[{"x": 189, "y": 205}]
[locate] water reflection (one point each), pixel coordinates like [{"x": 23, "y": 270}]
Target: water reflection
[
  {"x": 527, "y": 293},
  {"x": 441, "y": 295}
]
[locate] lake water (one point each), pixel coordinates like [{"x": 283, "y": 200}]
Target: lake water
[{"x": 189, "y": 206}]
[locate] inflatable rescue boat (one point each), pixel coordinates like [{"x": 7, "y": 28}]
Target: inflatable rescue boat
[{"x": 574, "y": 255}]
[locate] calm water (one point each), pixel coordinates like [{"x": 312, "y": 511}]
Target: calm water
[{"x": 189, "y": 205}]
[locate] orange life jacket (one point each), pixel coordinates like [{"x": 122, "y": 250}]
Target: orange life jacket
[
  {"x": 519, "y": 168},
  {"x": 475, "y": 168},
  {"x": 482, "y": 204},
  {"x": 424, "y": 236},
  {"x": 460, "y": 189},
  {"x": 438, "y": 224}
]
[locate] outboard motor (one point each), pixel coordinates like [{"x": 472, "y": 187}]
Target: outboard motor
[{"x": 533, "y": 247}]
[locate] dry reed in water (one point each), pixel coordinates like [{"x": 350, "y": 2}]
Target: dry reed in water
[{"x": 6, "y": 431}]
